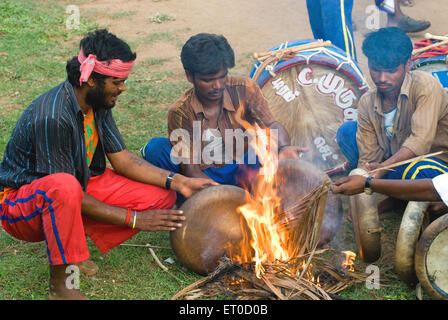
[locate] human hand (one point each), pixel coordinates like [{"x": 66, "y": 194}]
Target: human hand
[
  {"x": 291, "y": 152},
  {"x": 349, "y": 185},
  {"x": 159, "y": 220},
  {"x": 375, "y": 166},
  {"x": 192, "y": 185}
]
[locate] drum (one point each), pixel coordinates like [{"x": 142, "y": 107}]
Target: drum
[
  {"x": 436, "y": 66},
  {"x": 366, "y": 223},
  {"x": 411, "y": 226},
  {"x": 431, "y": 259},
  {"x": 433, "y": 61},
  {"x": 312, "y": 93},
  {"x": 212, "y": 223}
]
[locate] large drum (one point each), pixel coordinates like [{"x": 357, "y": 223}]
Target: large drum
[
  {"x": 431, "y": 259},
  {"x": 212, "y": 222},
  {"x": 433, "y": 61},
  {"x": 312, "y": 93}
]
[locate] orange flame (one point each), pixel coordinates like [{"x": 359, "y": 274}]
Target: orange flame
[
  {"x": 268, "y": 241},
  {"x": 349, "y": 263}
]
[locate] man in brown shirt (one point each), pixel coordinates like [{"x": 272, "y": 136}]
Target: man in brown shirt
[
  {"x": 405, "y": 116},
  {"x": 208, "y": 124}
]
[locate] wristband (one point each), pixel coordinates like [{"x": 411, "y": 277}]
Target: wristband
[
  {"x": 367, "y": 188},
  {"x": 135, "y": 218},
  {"x": 128, "y": 217},
  {"x": 169, "y": 179}
]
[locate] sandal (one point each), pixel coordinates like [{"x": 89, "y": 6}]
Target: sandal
[{"x": 407, "y": 24}]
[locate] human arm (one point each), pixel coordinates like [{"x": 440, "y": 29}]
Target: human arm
[
  {"x": 135, "y": 168},
  {"x": 402, "y": 154},
  {"x": 150, "y": 220},
  {"x": 284, "y": 143},
  {"x": 414, "y": 190}
]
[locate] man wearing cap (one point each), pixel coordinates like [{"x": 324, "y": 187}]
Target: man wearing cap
[{"x": 54, "y": 184}]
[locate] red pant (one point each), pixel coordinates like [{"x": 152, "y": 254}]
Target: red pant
[{"x": 50, "y": 209}]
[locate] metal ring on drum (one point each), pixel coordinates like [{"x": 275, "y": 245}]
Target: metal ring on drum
[
  {"x": 366, "y": 223},
  {"x": 312, "y": 93},
  {"x": 408, "y": 234},
  {"x": 436, "y": 66},
  {"x": 431, "y": 256}
]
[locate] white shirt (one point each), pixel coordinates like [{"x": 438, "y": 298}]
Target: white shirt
[{"x": 441, "y": 185}]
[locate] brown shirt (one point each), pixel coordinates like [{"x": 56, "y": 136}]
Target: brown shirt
[
  {"x": 421, "y": 121},
  {"x": 240, "y": 92}
]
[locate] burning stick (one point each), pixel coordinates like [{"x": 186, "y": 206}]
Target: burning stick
[{"x": 278, "y": 282}]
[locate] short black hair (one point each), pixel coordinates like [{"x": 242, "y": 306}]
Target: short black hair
[
  {"x": 105, "y": 46},
  {"x": 207, "y": 53},
  {"x": 387, "y": 48}
]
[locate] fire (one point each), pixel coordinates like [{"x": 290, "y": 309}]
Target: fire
[
  {"x": 268, "y": 240},
  {"x": 349, "y": 263}
]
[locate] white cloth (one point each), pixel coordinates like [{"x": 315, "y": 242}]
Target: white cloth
[{"x": 441, "y": 185}]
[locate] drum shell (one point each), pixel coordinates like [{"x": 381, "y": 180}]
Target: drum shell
[
  {"x": 212, "y": 222},
  {"x": 436, "y": 66},
  {"x": 298, "y": 178},
  {"x": 407, "y": 238},
  {"x": 366, "y": 223},
  {"x": 437, "y": 230}
]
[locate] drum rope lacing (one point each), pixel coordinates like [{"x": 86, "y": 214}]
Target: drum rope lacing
[{"x": 271, "y": 63}]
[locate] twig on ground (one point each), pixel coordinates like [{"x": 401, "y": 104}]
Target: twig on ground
[
  {"x": 144, "y": 245},
  {"x": 157, "y": 260}
]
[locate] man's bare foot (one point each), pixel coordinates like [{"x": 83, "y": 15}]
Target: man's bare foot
[
  {"x": 62, "y": 288},
  {"x": 88, "y": 267},
  {"x": 436, "y": 210}
]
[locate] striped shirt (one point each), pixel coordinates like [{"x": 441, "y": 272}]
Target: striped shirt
[{"x": 49, "y": 138}]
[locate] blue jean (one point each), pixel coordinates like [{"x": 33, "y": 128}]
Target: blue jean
[
  {"x": 329, "y": 22},
  {"x": 427, "y": 168},
  {"x": 157, "y": 151}
]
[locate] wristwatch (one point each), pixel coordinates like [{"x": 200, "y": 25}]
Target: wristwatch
[
  {"x": 367, "y": 188},
  {"x": 168, "y": 181}
]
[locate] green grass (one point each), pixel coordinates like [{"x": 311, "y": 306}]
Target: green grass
[{"x": 34, "y": 36}]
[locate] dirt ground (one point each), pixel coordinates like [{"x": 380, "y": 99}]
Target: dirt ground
[{"x": 250, "y": 25}]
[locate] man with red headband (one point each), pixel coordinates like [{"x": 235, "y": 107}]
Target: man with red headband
[{"x": 54, "y": 184}]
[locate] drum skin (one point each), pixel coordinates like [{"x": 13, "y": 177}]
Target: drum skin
[
  {"x": 366, "y": 223},
  {"x": 312, "y": 95},
  {"x": 212, "y": 222},
  {"x": 410, "y": 227},
  {"x": 431, "y": 259}
]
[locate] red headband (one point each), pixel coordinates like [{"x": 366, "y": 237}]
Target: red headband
[{"x": 113, "y": 68}]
